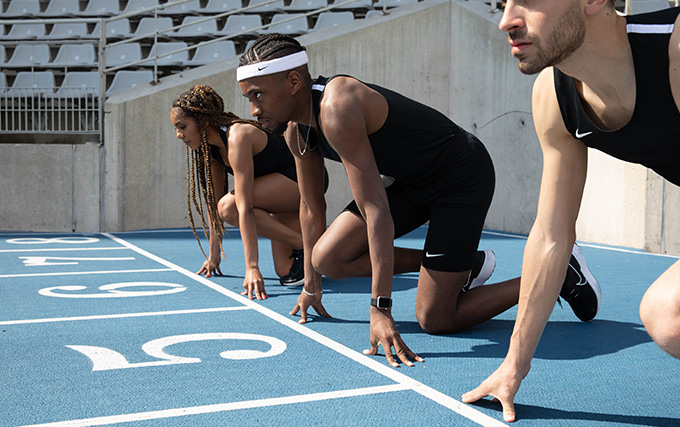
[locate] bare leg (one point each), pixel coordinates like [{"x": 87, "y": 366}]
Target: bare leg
[
  {"x": 281, "y": 251},
  {"x": 342, "y": 251},
  {"x": 660, "y": 310}
]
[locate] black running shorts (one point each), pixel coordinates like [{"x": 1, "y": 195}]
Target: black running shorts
[{"x": 455, "y": 204}]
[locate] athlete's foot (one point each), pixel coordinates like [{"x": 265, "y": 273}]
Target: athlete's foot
[
  {"x": 580, "y": 288},
  {"x": 296, "y": 275},
  {"x": 482, "y": 267}
]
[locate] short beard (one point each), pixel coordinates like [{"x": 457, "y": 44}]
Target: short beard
[
  {"x": 279, "y": 128},
  {"x": 564, "y": 39}
]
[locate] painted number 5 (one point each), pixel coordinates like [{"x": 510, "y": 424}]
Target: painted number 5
[{"x": 104, "y": 359}]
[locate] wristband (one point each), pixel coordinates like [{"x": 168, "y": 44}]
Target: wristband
[{"x": 311, "y": 294}]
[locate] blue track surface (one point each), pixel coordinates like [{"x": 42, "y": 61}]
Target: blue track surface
[{"x": 115, "y": 329}]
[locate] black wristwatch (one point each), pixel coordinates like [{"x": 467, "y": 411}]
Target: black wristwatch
[{"x": 383, "y": 303}]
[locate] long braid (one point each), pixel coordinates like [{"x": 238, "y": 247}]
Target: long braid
[
  {"x": 206, "y": 107},
  {"x": 270, "y": 46}
]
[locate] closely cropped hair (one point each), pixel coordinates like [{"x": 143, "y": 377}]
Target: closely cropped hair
[
  {"x": 206, "y": 107},
  {"x": 270, "y": 46}
]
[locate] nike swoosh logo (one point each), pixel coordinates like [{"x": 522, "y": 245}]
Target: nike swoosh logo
[
  {"x": 581, "y": 280},
  {"x": 581, "y": 135},
  {"x": 262, "y": 68},
  {"x": 429, "y": 255}
]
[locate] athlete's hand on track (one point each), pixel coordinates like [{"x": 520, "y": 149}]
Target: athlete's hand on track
[
  {"x": 253, "y": 284},
  {"x": 210, "y": 268},
  {"x": 305, "y": 301},
  {"x": 384, "y": 332},
  {"x": 502, "y": 385}
]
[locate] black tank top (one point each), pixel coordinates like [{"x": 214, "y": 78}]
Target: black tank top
[
  {"x": 412, "y": 146},
  {"x": 652, "y": 137},
  {"x": 274, "y": 158}
]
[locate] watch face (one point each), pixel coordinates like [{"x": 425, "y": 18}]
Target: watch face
[{"x": 383, "y": 302}]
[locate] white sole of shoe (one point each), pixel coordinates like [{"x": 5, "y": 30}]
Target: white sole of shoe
[
  {"x": 487, "y": 269},
  {"x": 592, "y": 281}
]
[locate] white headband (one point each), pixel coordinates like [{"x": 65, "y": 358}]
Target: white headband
[{"x": 272, "y": 66}]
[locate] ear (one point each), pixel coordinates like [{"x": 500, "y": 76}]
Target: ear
[
  {"x": 592, "y": 7},
  {"x": 294, "y": 81}
]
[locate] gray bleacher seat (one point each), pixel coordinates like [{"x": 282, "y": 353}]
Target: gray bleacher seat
[
  {"x": 22, "y": 9},
  {"x": 123, "y": 54},
  {"x": 212, "y": 52},
  {"x": 293, "y": 27},
  {"x": 373, "y": 12},
  {"x": 393, "y": 3},
  {"x": 305, "y": 5},
  {"x": 241, "y": 23},
  {"x": 3, "y": 55},
  {"x": 125, "y": 79},
  {"x": 25, "y": 32},
  {"x": 101, "y": 8},
  {"x": 147, "y": 27},
  {"x": 359, "y": 4},
  {"x": 188, "y": 8},
  {"x": 203, "y": 29},
  {"x": 175, "y": 59},
  {"x": 136, "y": 5},
  {"x": 29, "y": 55},
  {"x": 332, "y": 19},
  {"x": 118, "y": 29},
  {"x": 220, "y": 6},
  {"x": 61, "y": 9},
  {"x": 3, "y": 83},
  {"x": 29, "y": 84},
  {"x": 75, "y": 55},
  {"x": 2, "y": 30},
  {"x": 275, "y": 7},
  {"x": 66, "y": 31},
  {"x": 79, "y": 84}
]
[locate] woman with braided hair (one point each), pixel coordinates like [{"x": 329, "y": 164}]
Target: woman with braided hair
[{"x": 265, "y": 200}]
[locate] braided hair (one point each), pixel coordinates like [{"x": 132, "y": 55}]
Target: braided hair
[
  {"x": 270, "y": 46},
  {"x": 202, "y": 104}
]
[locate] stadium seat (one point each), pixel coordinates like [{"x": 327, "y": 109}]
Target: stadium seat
[
  {"x": 3, "y": 83},
  {"x": 29, "y": 84},
  {"x": 25, "y": 32},
  {"x": 75, "y": 55},
  {"x": 241, "y": 24},
  {"x": 393, "y": 3},
  {"x": 123, "y": 54},
  {"x": 66, "y": 31},
  {"x": 221, "y": 6},
  {"x": 293, "y": 27},
  {"x": 175, "y": 59},
  {"x": 118, "y": 29},
  {"x": 61, "y": 9},
  {"x": 147, "y": 27},
  {"x": 359, "y": 4},
  {"x": 277, "y": 6},
  {"x": 306, "y": 5},
  {"x": 29, "y": 55},
  {"x": 212, "y": 52},
  {"x": 189, "y": 8},
  {"x": 22, "y": 9},
  {"x": 79, "y": 84},
  {"x": 3, "y": 55},
  {"x": 125, "y": 79},
  {"x": 101, "y": 8},
  {"x": 137, "y": 5},
  {"x": 373, "y": 12},
  {"x": 332, "y": 19},
  {"x": 203, "y": 29}
]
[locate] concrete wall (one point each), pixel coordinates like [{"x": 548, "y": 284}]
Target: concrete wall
[{"x": 448, "y": 55}]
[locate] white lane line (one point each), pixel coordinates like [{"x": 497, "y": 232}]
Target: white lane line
[
  {"x": 116, "y": 248},
  {"x": 589, "y": 245},
  {"x": 223, "y": 407},
  {"x": 389, "y": 372},
  {"x": 121, "y": 315},
  {"x": 76, "y": 273}
]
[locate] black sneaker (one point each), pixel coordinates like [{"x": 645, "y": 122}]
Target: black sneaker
[
  {"x": 580, "y": 288},
  {"x": 296, "y": 275},
  {"x": 482, "y": 267}
]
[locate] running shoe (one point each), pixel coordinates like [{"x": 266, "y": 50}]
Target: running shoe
[
  {"x": 482, "y": 267},
  {"x": 296, "y": 275},
  {"x": 580, "y": 288}
]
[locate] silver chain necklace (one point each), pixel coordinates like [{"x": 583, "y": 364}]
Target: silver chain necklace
[{"x": 309, "y": 130}]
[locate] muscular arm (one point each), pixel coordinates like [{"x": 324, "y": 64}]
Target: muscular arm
[
  {"x": 212, "y": 264},
  {"x": 549, "y": 245}
]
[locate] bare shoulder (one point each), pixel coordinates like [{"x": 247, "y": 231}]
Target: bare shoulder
[
  {"x": 674, "y": 61},
  {"x": 546, "y": 111},
  {"x": 241, "y": 134}
]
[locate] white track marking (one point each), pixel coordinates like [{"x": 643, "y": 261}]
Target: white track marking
[
  {"x": 432, "y": 394},
  {"x": 116, "y": 248},
  {"x": 76, "y": 273},
  {"x": 223, "y": 407},
  {"x": 121, "y": 315}
]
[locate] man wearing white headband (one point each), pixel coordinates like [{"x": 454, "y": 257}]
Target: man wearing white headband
[{"x": 442, "y": 174}]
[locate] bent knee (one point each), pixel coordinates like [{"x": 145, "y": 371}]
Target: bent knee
[
  {"x": 434, "y": 323},
  {"x": 660, "y": 314},
  {"x": 227, "y": 211},
  {"x": 324, "y": 263}
]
